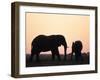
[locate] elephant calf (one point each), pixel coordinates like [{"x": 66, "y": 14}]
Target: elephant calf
[
  {"x": 77, "y": 47},
  {"x": 44, "y": 43}
]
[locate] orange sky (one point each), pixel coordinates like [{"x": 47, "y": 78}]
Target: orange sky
[{"x": 72, "y": 27}]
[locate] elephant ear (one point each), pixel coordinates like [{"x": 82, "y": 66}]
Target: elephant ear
[{"x": 61, "y": 40}]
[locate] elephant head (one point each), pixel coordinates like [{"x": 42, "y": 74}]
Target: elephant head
[{"x": 61, "y": 41}]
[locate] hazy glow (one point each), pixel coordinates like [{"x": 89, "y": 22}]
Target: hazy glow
[{"x": 73, "y": 27}]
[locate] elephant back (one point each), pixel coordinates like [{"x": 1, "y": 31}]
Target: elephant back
[{"x": 39, "y": 40}]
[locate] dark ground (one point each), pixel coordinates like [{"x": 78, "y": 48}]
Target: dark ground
[{"x": 46, "y": 60}]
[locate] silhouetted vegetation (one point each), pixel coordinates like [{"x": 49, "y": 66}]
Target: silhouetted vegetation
[{"x": 45, "y": 60}]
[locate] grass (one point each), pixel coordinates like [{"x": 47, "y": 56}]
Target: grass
[{"x": 46, "y": 60}]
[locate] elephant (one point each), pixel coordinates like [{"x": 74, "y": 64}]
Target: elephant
[
  {"x": 43, "y": 43},
  {"x": 77, "y": 47}
]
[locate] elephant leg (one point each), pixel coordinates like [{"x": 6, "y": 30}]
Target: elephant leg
[
  {"x": 56, "y": 52},
  {"x": 37, "y": 57},
  {"x": 53, "y": 55},
  {"x": 80, "y": 58},
  {"x": 58, "y": 55},
  {"x": 31, "y": 57}
]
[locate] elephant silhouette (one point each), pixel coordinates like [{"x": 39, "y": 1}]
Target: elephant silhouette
[
  {"x": 77, "y": 47},
  {"x": 51, "y": 43}
]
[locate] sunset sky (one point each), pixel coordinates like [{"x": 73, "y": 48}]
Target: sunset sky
[{"x": 72, "y": 27}]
